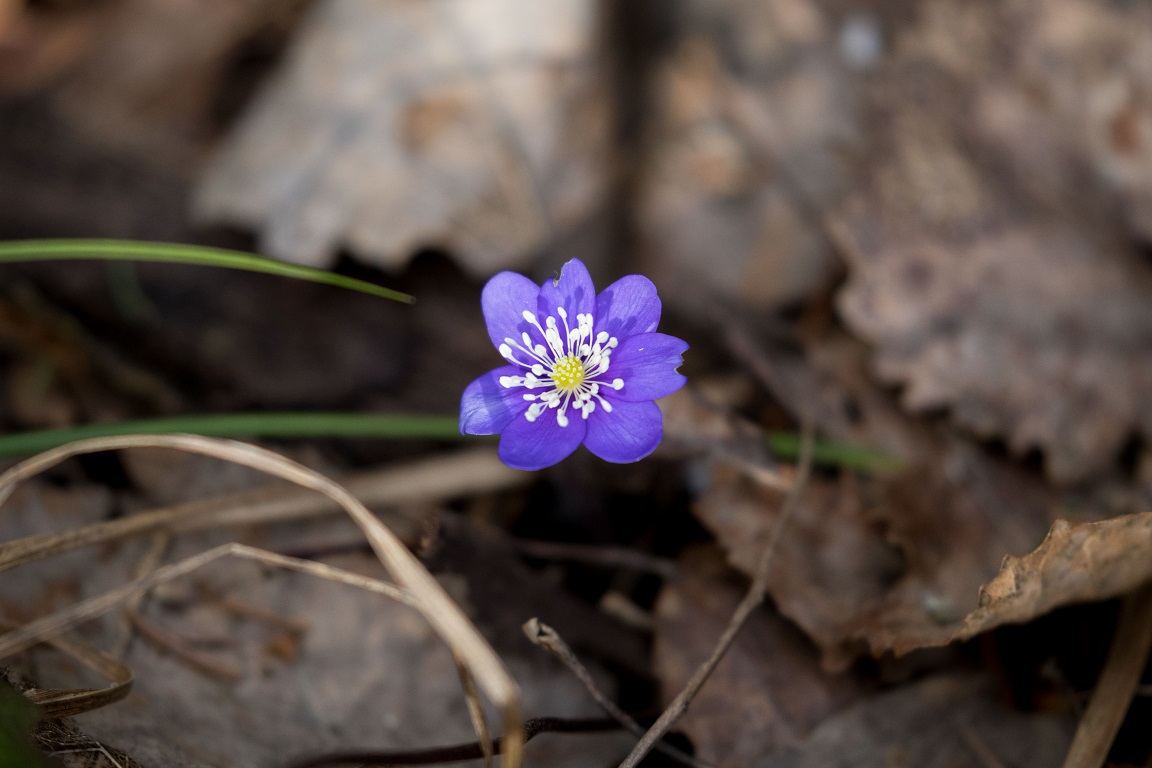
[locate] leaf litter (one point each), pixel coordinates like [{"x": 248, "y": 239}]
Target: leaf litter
[
  {"x": 980, "y": 169},
  {"x": 408, "y": 124}
]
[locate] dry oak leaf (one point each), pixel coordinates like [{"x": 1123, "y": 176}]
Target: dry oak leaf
[
  {"x": 396, "y": 125},
  {"x": 1074, "y": 564}
]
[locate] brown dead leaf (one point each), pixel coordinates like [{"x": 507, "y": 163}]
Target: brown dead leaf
[
  {"x": 1075, "y": 564},
  {"x": 357, "y": 671},
  {"x": 986, "y": 249},
  {"x": 886, "y": 565},
  {"x": 139, "y": 76},
  {"x": 698, "y": 424},
  {"x": 767, "y": 693},
  {"x": 940, "y": 722},
  {"x": 404, "y": 124},
  {"x": 832, "y": 561},
  {"x": 368, "y": 673},
  {"x": 754, "y": 109}
]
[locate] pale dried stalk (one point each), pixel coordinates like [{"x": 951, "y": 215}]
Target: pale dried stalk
[
  {"x": 430, "y": 598},
  {"x": 131, "y": 611},
  {"x": 1117, "y": 684},
  {"x": 751, "y": 601},
  {"x": 476, "y": 712},
  {"x": 54, "y": 703},
  {"x": 443, "y": 477},
  {"x": 47, "y": 628}
]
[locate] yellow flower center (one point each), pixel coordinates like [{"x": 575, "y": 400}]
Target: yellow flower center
[{"x": 568, "y": 373}]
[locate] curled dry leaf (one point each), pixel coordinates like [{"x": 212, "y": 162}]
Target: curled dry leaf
[
  {"x": 1074, "y": 564},
  {"x": 984, "y": 244},
  {"x": 401, "y": 124}
]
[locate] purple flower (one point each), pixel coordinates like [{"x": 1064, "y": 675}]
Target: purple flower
[{"x": 582, "y": 369}]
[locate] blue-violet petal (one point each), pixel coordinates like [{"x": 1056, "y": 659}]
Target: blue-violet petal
[
  {"x": 647, "y": 364},
  {"x": 541, "y": 443},
  {"x": 486, "y": 407},
  {"x": 573, "y": 290},
  {"x": 627, "y": 307},
  {"x": 504, "y": 300},
  {"x": 629, "y": 433}
]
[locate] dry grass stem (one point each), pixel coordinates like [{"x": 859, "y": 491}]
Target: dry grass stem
[
  {"x": 424, "y": 591},
  {"x": 476, "y": 712},
  {"x": 748, "y": 604},
  {"x": 175, "y": 645},
  {"x": 152, "y": 559},
  {"x": 427, "y": 480},
  {"x": 1117, "y": 684},
  {"x": 55, "y": 703}
]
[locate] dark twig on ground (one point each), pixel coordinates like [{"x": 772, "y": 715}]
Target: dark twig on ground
[
  {"x": 756, "y": 592},
  {"x": 458, "y": 752}
]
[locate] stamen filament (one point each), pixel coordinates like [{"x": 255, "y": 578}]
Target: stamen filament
[{"x": 568, "y": 368}]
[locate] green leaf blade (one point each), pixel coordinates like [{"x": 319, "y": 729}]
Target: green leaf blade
[
  {"x": 14, "y": 251},
  {"x": 249, "y": 425}
]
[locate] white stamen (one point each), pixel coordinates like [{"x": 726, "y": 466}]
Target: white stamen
[{"x": 546, "y": 357}]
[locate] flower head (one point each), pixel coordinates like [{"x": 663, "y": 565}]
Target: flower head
[{"x": 582, "y": 368}]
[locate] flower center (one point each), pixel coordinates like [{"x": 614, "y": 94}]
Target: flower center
[
  {"x": 568, "y": 367},
  {"x": 568, "y": 374}
]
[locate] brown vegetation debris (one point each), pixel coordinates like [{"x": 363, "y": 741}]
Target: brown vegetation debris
[
  {"x": 769, "y": 690},
  {"x": 752, "y": 109},
  {"x": 886, "y": 565},
  {"x": 1076, "y": 563},
  {"x": 398, "y": 125},
  {"x": 939, "y": 722},
  {"x": 990, "y": 245}
]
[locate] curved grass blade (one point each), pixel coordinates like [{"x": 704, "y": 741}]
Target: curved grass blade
[
  {"x": 827, "y": 453},
  {"x": 175, "y": 253},
  {"x": 240, "y": 425}
]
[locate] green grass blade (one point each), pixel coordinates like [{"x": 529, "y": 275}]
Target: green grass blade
[
  {"x": 174, "y": 253},
  {"x": 786, "y": 445},
  {"x": 248, "y": 425}
]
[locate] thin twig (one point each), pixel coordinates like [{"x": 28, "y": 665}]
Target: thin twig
[
  {"x": 979, "y": 748},
  {"x": 457, "y": 753},
  {"x": 549, "y": 639},
  {"x": 756, "y": 592},
  {"x": 152, "y": 559},
  {"x": 176, "y": 645},
  {"x": 593, "y": 554},
  {"x": 264, "y": 616}
]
